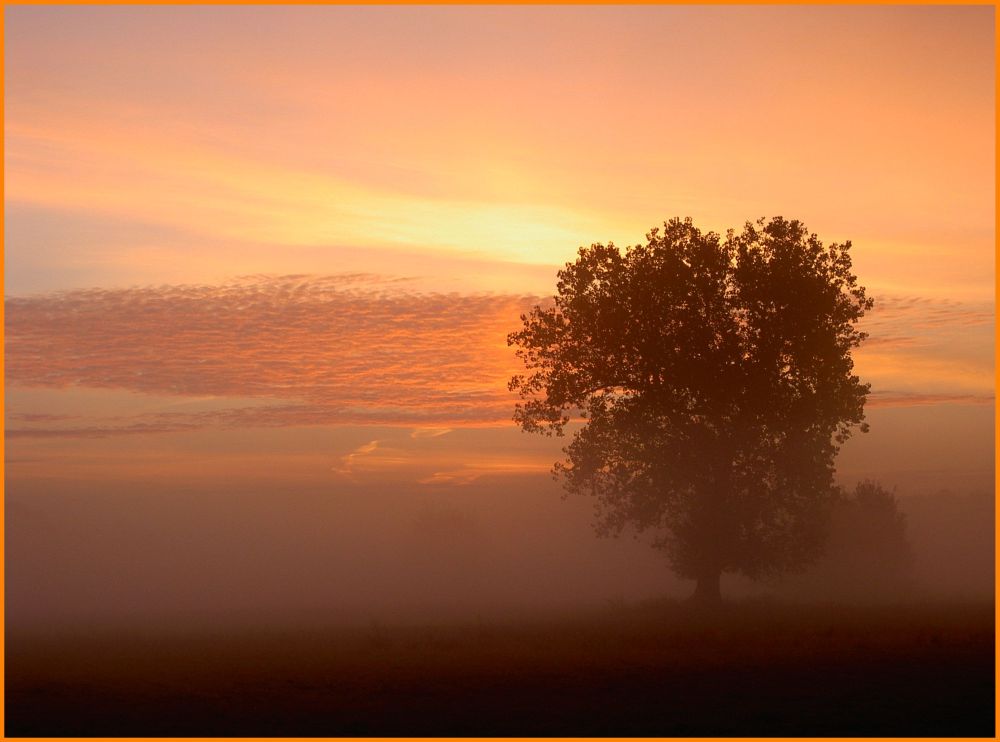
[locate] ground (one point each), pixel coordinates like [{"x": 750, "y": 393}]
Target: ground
[{"x": 657, "y": 669}]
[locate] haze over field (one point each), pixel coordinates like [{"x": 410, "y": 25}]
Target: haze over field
[{"x": 261, "y": 262}]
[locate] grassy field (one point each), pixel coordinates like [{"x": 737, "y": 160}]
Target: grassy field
[{"x": 658, "y": 669}]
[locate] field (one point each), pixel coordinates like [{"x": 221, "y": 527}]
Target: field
[{"x": 657, "y": 669}]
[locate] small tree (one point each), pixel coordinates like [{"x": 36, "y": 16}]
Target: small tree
[
  {"x": 714, "y": 378},
  {"x": 868, "y": 555}
]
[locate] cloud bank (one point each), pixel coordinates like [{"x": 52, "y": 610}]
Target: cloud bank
[
  {"x": 332, "y": 349},
  {"x": 321, "y": 350}
]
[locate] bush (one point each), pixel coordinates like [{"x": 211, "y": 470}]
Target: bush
[{"x": 868, "y": 556}]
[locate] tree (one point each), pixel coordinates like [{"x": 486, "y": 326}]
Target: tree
[
  {"x": 714, "y": 381},
  {"x": 868, "y": 555}
]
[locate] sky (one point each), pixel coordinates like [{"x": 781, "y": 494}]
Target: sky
[{"x": 279, "y": 249}]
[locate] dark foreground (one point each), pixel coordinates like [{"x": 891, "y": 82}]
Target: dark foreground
[{"x": 753, "y": 670}]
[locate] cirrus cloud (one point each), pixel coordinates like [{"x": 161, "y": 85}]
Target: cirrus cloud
[
  {"x": 330, "y": 349},
  {"x": 351, "y": 349}
]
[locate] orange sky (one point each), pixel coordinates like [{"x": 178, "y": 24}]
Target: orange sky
[{"x": 288, "y": 218}]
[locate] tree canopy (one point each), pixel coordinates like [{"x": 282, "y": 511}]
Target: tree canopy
[{"x": 714, "y": 380}]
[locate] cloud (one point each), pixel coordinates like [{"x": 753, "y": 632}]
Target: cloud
[
  {"x": 918, "y": 399},
  {"x": 429, "y": 461},
  {"x": 346, "y": 465},
  {"x": 429, "y": 432},
  {"x": 40, "y": 417},
  {"x": 361, "y": 349},
  {"x": 467, "y": 474},
  {"x": 928, "y": 347},
  {"x": 99, "y": 431},
  {"x": 150, "y": 174},
  {"x": 909, "y": 320},
  {"x": 329, "y": 349}
]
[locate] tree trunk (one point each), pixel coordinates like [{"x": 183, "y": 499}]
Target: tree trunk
[{"x": 708, "y": 592}]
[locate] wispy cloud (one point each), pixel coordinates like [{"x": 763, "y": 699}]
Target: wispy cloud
[
  {"x": 331, "y": 349},
  {"x": 346, "y": 465},
  {"x": 469, "y": 473},
  {"x": 910, "y": 318},
  {"x": 918, "y": 399},
  {"x": 102, "y": 431},
  {"x": 362, "y": 349},
  {"x": 428, "y": 462},
  {"x": 926, "y": 348},
  {"x": 429, "y": 432}
]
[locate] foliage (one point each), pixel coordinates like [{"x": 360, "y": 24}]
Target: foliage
[
  {"x": 714, "y": 379},
  {"x": 868, "y": 555}
]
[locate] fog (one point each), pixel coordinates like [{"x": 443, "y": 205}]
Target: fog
[
  {"x": 170, "y": 557},
  {"x": 376, "y": 581},
  {"x": 178, "y": 558}
]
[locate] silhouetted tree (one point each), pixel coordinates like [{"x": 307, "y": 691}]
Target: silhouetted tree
[{"x": 714, "y": 377}]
